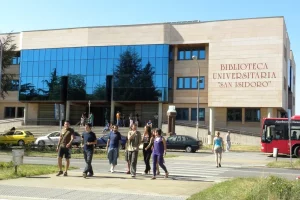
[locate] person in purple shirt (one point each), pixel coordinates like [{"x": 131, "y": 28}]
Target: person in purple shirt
[{"x": 159, "y": 150}]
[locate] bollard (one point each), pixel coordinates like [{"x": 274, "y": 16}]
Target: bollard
[
  {"x": 18, "y": 154},
  {"x": 275, "y": 153}
]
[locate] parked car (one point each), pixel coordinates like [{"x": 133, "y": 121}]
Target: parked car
[
  {"x": 51, "y": 139},
  {"x": 183, "y": 142},
  {"x": 17, "y": 137},
  {"x": 102, "y": 141}
]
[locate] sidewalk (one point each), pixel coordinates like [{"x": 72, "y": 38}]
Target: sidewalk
[{"x": 103, "y": 186}]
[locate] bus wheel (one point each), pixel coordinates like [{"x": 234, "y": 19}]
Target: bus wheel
[{"x": 297, "y": 151}]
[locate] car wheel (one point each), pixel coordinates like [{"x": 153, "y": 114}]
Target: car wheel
[
  {"x": 21, "y": 143},
  {"x": 41, "y": 143},
  {"x": 188, "y": 149},
  {"x": 297, "y": 151}
]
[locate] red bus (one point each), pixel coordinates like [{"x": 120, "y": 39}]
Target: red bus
[{"x": 275, "y": 135}]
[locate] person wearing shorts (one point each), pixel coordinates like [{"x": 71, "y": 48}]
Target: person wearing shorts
[
  {"x": 64, "y": 147},
  {"x": 218, "y": 148}
]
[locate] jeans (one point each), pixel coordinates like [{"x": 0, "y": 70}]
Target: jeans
[
  {"x": 147, "y": 156},
  {"x": 228, "y": 145},
  {"x": 113, "y": 154},
  {"x": 160, "y": 160},
  {"x": 88, "y": 157},
  {"x": 132, "y": 157}
]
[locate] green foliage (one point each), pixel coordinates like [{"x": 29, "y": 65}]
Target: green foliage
[
  {"x": 9, "y": 51},
  {"x": 273, "y": 188}
]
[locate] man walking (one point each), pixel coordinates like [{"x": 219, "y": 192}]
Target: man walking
[
  {"x": 134, "y": 141},
  {"x": 89, "y": 140},
  {"x": 228, "y": 141},
  {"x": 64, "y": 147}
]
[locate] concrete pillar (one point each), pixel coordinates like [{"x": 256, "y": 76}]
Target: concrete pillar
[
  {"x": 160, "y": 115},
  {"x": 211, "y": 131},
  {"x": 16, "y": 112},
  {"x": 25, "y": 113},
  {"x": 68, "y": 105},
  {"x": 243, "y": 115},
  {"x": 270, "y": 112},
  {"x": 175, "y": 53},
  {"x": 171, "y": 119},
  {"x": 112, "y": 112}
]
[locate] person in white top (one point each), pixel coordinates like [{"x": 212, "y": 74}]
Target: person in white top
[{"x": 228, "y": 141}]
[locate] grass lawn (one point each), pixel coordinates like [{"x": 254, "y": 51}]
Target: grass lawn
[
  {"x": 7, "y": 170},
  {"x": 238, "y": 148},
  {"x": 77, "y": 153},
  {"x": 285, "y": 164},
  {"x": 272, "y": 188}
]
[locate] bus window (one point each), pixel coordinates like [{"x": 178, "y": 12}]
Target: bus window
[
  {"x": 295, "y": 134},
  {"x": 269, "y": 131}
]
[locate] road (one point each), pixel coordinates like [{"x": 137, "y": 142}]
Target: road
[{"x": 189, "y": 173}]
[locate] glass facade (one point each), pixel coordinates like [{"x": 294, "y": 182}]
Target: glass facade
[{"x": 140, "y": 73}]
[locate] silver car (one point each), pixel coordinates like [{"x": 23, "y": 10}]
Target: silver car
[{"x": 51, "y": 139}]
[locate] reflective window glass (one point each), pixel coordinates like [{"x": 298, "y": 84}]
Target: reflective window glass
[
  {"x": 30, "y": 55},
  {"x": 145, "y": 51},
  {"x": 165, "y": 66},
  {"x": 60, "y": 54},
  {"x": 202, "y": 54},
  {"x": 24, "y": 55},
  {"x": 152, "y": 62},
  {"x": 158, "y": 81},
  {"x": 91, "y": 52},
  {"x": 53, "y": 66},
  {"x": 194, "y": 83},
  {"x": 103, "y": 52},
  {"x": 65, "y": 69},
  {"x": 110, "y": 52},
  {"x": 83, "y": 67},
  {"x": 77, "y": 53},
  {"x": 35, "y": 69},
  {"x": 124, "y": 48},
  {"x": 187, "y": 83},
  {"x": 202, "y": 82},
  {"x": 96, "y": 82},
  {"x": 47, "y": 68},
  {"x": 65, "y": 53},
  {"x": 195, "y": 53},
  {"x": 97, "y": 53},
  {"x": 117, "y": 51},
  {"x": 42, "y": 54},
  {"x": 41, "y": 82},
  {"x": 166, "y": 51},
  {"x": 89, "y": 81},
  {"x": 29, "y": 69},
  {"x": 116, "y": 63},
  {"x": 201, "y": 114},
  {"x": 188, "y": 55},
  {"x": 138, "y": 50},
  {"x": 170, "y": 83},
  {"x": 165, "y": 81},
  {"x": 110, "y": 66},
  {"x": 182, "y": 114},
  {"x": 35, "y": 82},
  {"x": 36, "y": 55},
  {"x": 59, "y": 68},
  {"x": 159, "y": 66},
  {"x": 53, "y": 54},
  {"x": 181, "y": 55},
  {"x": 90, "y": 67},
  {"x": 77, "y": 66},
  {"x": 102, "y": 80},
  {"x": 103, "y": 66},
  {"x": 84, "y": 52},
  {"x": 152, "y": 51},
  {"x": 71, "y": 67},
  {"x": 47, "y": 54},
  {"x": 180, "y": 83},
  {"x": 96, "y": 67},
  {"x": 144, "y": 62},
  {"x": 24, "y": 68},
  {"x": 71, "y": 53},
  {"x": 159, "y": 51}
]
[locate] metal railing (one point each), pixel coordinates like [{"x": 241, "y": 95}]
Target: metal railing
[{"x": 222, "y": 129}]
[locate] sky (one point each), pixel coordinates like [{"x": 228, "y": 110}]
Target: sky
[{"x": 22, "y": 15}]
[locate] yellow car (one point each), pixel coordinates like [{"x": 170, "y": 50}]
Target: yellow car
[{"x": 17, "y": 137}]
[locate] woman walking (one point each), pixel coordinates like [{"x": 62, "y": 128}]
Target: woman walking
[
  {"x": 159, "y": 150},
  {"x": 113, "y": 145},
  {"x": 147, "y": 151},
  {"x": 218, "y": 148}
]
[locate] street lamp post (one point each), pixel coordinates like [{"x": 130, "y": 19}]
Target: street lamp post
[
  {"x": 198, "y": 95},
  {"x": 89, "y": 108},
  {"x": 1, "y": 57},
  {"x": 156, "y": 120}
]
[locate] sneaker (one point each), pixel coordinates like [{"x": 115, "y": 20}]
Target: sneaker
[
  {"x": 84, "y": 175},
  {"x": 219, "y": 165},
  {"x": 167, "y": 175},
  {"x": 59, "y": 173},
  {"x": 90, "y": 175},
  {"x": 128, "y": 172},
  {"x": 66, "y": 174},
  {"x": 153, "y": 178},
  {"x": 133, "y": 176}
]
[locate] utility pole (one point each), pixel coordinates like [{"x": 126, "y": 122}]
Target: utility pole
[{"x": 1, "y": 58}]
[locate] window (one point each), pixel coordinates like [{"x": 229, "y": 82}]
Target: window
[
  {"x": 190, "y": 82},
  {"x": 188, "y": 53},
  {"x": 252, "y": 115},
  {"x": 201, "y": 114},
  {"x": 9, "y": 112},
  {"x": 182, "y": 114},
  {"x": 20, "y": 112},
  {"x": 14, "y": 86},
  {"x": 234, "y": 114},
  {"x": 170, "y": 83},
  {"x": 15, "y": 61}
]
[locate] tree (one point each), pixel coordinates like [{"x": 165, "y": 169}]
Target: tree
[
  {"x": 9, "y": 52},
  {"x": 98, "y": 93},
  {"x": 54, "y": 86},
  {"x": 131, "y": 81},
  {"x": 76, "y": 87}
]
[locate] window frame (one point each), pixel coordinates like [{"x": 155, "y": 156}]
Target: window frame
[
  {"x": 190, "y": 52},
  {"x": 181, "y": 110},
  {"x": 252, "y": 120},
  {"x": 202, "y": 78},
  {"x": 195, "y": 119},
  {"x": 238, "y": 120}
]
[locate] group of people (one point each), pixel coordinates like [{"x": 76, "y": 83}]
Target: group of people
[
  {"x": 85, "y": 120},
  {"x": 153, "y": 145}
]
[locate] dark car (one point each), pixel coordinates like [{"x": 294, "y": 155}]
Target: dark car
[
  {"x": 183, "y": 142},
  {"x": 102, "y": 141}
]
